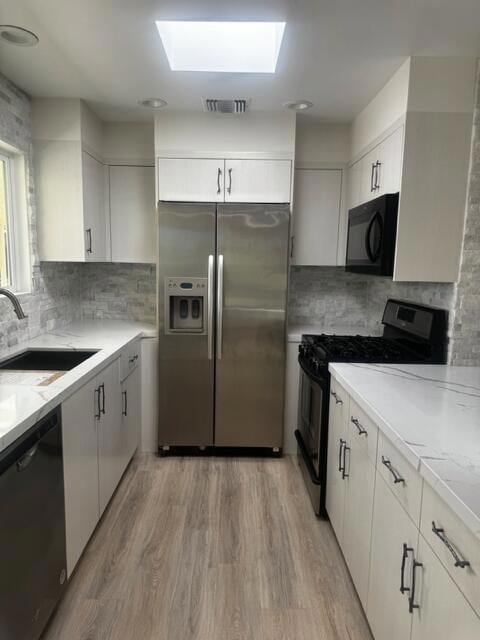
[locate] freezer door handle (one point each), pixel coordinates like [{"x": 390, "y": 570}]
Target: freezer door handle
[
  {"x": 219, "y": 306},
  {"x": 210, "y": 307}
]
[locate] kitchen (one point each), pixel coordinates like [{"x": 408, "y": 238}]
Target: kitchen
[{"x": 239, "y": 346}]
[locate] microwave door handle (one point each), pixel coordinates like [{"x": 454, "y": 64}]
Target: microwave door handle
[{"x": 376, "y": 218}]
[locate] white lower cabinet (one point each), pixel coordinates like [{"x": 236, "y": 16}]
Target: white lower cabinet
[
  {"x": 98, "y": 443},
  {"x": 110, "y": 433},
  {"x": 337, "y": 428},
  {"x": 80, "y": 464},
  {"x": 387, "y": 607},
  {"x": 359, "y": 490},
  {"x": 441, "y": 612},
  {"x": 131, "y": 413}
]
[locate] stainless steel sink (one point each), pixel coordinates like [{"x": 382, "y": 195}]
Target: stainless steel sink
[{"x": 46, "y": 360}]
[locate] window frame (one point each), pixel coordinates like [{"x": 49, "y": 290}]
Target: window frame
[{"x": 11, "y": 232}]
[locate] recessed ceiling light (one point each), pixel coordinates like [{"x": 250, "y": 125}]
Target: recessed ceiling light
[
  {"x": 16, "y": 35},
  {"x": 153, "y": 103},
  {"x": 300, "y": 105},
  {"x": 231, "y": 47}
]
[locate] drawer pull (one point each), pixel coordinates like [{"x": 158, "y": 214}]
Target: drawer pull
[
  {"x": 440, "y": 533},
  {"x": 133, "y": 359},
  {"x": 411, "y": 600},
  {"x": 396, "y": 476},
  {"x": 406, "y": 550},
  {"x": 337, "y": 399},
  {"x": 344, "y": 472},
  {"x": 361, "y": 430}
]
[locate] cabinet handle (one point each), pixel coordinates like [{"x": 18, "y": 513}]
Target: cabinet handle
[
  {"x": 411, "y": 599},
  {"x": 376, "y": 184},
  {"x": 344, "y": 472},
  {"x": 125, "y": 403},
  {"x": 361, "y": 430},
  {"x": 219, "y": 175},
  {"x": 229, "y": 188},
  {"x": 89, "y": 238},
  {"x": 440, "y": 533},
  {"x": 340, "y": 451},
  {"x": 337, "y": 399},
  {"x": 406, "y": 550},
  {"x": 97, "y": 401},
  {"x": 133, "y": 359},
  {"x": 102, "y": 387},
  {"x": 292, "y": 242},
  {"x": 396, "y": 476},
  {"x": 372, "y": 188}
]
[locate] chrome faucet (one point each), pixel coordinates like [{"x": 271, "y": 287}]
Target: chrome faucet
[{"x": 17, "y": 307}]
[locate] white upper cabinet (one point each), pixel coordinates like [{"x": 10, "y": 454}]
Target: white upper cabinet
[
  {"x": 257, "y": 180},
  {"x": 132, "y": 214},
  {"x": 70, "y": 182},
  {"x": 191, "y": 179},
  {"x": 219, "y": 180},
  {"x": 414, "y": 138},
  {"x": 316, "y": 214},
  {"x": 94, "y": 207}
]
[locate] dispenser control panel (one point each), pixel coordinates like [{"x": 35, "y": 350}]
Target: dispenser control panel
[{"x": 185, "y": 305}]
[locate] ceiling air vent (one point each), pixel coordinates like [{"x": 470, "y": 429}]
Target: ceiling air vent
[{"x": 213, "y": 105}]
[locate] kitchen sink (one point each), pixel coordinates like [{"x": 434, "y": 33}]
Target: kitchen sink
[{"x": 47, "y": 360}]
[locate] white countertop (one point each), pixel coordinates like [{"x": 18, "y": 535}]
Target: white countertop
[
  {"x": 295, "y": 331},
  {"x": 22, "y": 402},
  {"x": 432, "y": 415}
]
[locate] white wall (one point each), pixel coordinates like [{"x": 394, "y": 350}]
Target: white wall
[
  {"x": 128, "y": 142},
  {"x": 319, "y": 144},
  {"x": 223, "y": 135},
  {"x": 388, "y": 106}
]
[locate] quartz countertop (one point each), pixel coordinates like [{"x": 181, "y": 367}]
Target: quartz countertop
[
  {"x": 23, "y": 401},
  {"x": 431, "y": 413}
]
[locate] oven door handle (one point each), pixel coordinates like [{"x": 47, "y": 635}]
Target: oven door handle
[{"x": 306, "y": 458}]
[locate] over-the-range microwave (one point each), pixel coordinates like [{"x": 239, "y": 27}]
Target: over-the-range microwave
[{"x": 372, "y": 230}]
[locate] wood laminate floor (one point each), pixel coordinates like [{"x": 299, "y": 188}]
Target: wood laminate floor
[{"x": 210, "y": 549}]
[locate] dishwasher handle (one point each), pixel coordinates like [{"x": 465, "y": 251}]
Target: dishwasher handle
[{"x": 26, "y": 459}]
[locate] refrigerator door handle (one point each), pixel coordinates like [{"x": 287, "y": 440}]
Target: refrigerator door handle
[
  {"x": 219, "y": 306},
  {"x": 210, "y": 304}
]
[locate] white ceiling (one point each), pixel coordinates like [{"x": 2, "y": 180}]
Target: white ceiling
[{"x": 336, "y": 53}]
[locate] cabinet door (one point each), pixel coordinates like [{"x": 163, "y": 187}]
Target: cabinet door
[
  {"x": 132, "y": 214},
  {"x": 80, "y": 464},
  {"x": 387, "y": 607},
  {"x": 110, "y": 432},
  {"x": 190, "y": 180},
  {"x": 316, "y": 216},
  {"x": 131, "y": 414},
  {"x": 94, "y": 182},
  {"x": 337, "y": 431},
  {"x": 360, "y": 486},
  {"x": 388, "y": 173},
  {"x": 442, "y": 613},
  {"x": 263, "y": 181}
]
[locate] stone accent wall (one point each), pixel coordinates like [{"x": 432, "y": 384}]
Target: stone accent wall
[
  {"x": 118, "y": 292},
  {"x": 466, "y": 328},
  {"x": 51, "y": 302},
  {"x": 329, "y": 295}
]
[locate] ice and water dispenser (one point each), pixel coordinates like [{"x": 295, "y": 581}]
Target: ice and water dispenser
[{"x": 185, "y": 305}]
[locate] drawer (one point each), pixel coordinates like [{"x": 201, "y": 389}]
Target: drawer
[
  {"x": 404, "y": 481},
  {"x": 129, "y": 359},
  {"x": 465, "y": 545},
  {"x": 363, "y": 430}
]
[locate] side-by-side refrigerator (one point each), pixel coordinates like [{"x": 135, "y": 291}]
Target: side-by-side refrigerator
[{"x": 222, "y": 292}]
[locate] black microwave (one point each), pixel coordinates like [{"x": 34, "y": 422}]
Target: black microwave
[{"x": 372, "y": 231}]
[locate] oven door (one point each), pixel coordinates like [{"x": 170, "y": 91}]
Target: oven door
[{"x": 312, "y": 414}]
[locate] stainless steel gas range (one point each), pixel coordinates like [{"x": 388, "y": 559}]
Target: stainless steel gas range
[{"x": 413, "y": 334}]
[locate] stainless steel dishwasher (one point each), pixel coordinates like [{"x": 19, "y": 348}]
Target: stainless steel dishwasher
[{"x": 32, "y": 530}]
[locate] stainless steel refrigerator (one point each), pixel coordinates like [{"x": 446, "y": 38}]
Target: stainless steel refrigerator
[{"x": 222, "y": 289}]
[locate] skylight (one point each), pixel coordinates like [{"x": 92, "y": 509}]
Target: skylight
[{"x": 232, "y": 47}]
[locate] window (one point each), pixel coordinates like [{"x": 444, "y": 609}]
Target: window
[{"x": 6, "y": 223}]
